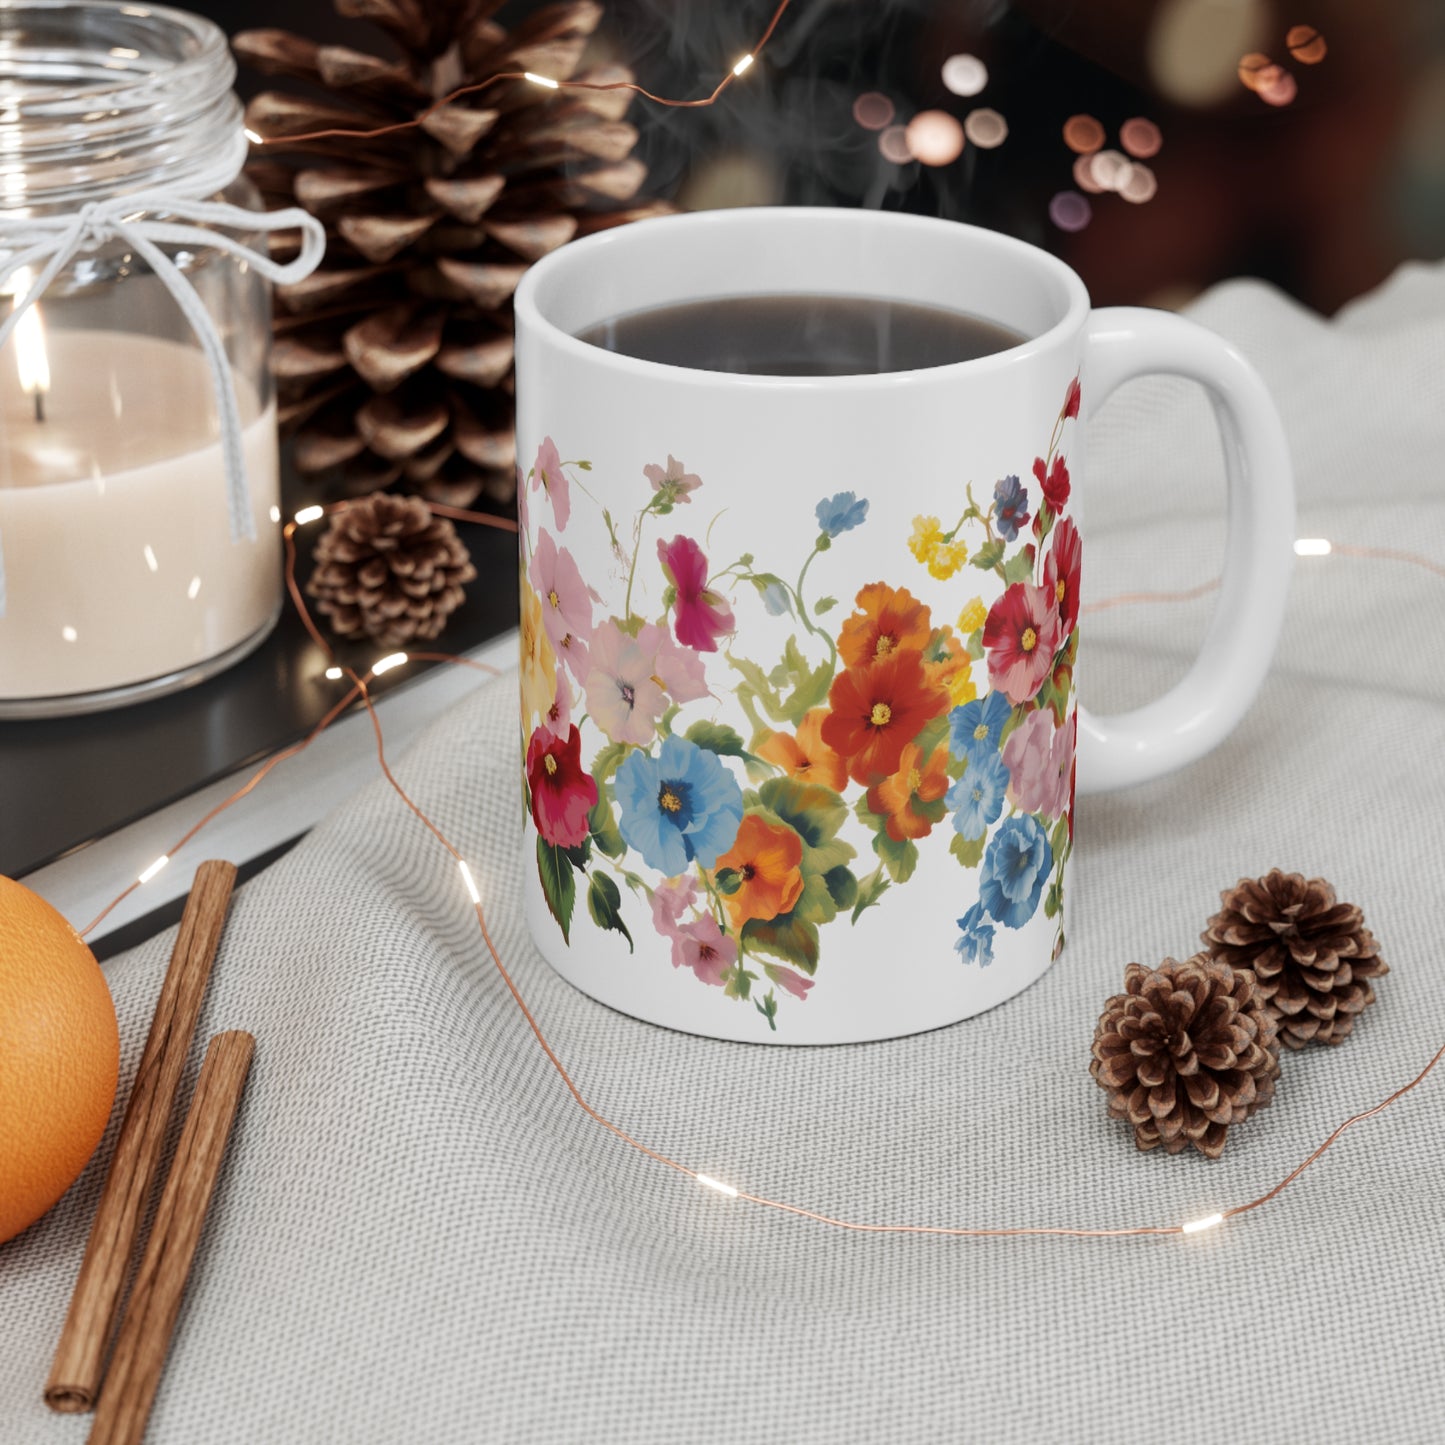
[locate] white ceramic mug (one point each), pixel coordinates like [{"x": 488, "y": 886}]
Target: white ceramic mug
[{"x": 798, "y": 653}]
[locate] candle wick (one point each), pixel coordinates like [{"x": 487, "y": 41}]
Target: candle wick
[{"x": 39, "y": 404}]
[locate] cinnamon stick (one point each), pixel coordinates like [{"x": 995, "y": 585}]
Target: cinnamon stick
[
  {"x": 79, "y": 1362},
  {"x": 155, "y": 1298}
]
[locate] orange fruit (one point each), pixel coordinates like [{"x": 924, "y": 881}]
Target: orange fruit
[{"x": 59, "y": 1056}]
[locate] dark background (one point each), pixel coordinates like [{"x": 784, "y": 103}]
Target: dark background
[{"x": 1323, "y": 196}]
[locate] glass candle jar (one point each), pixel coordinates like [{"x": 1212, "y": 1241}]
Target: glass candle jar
[{"x": 134, "y": 563}]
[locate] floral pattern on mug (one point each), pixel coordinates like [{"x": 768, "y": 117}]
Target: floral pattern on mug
[{"x": 865, "y": 738}]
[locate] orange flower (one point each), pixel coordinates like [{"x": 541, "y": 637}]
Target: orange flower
[
  {"x": 877, "y": 710},
  {"x": 914, "y": 782},
  {"x": 889, "y": 621},
  {"x": 947, "y": 665},
  {"x": 807, "y": 756},
  {"x": 766, "y": 856}
]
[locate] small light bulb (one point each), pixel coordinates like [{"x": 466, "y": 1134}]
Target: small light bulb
[
  {"x": 154, "y": 868},
  {"x": 542, "y": 80},
  {"x": 742, "y": 64},
  {"x": 256, "y": 140},
  {"x": 275, "y": 513},
  {"x": 332, "y": 674},
  {"x": 150, "y": 557},
  {"x": 708, "y": 1181},
  {"x": 1196, "y": 1225},
  {"x": 1313, "y": 547},
  {"x": 309, "y": 514},
  {"x": 385, "y": 664},
  {"x": 469, "y": 880}
]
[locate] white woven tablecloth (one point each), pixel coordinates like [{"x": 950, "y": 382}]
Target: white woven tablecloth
[{"x": 419, "y": 1238}]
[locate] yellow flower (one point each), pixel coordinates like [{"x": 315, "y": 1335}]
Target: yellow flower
[
  {"x": 538, "y": 661},
  {"x": 926, "y": 539},
  {"x": 961, "y": 688},
  {"x": 946, "y": 559},
  {"x": 972, "y": 617}
]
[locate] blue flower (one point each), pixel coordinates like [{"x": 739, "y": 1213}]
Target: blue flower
[
  {"x": 683, "y": 805},
  {"x": 1012, "y": 507},
  {"x": 841, "y": 513},
  {"x": 974, "y": 729},
  {"x": 975, "y": 942},
  {"x": 776, "y": 600},
  {"x": 977, "y": 797},
  {"x": 1018, "y": 861}
]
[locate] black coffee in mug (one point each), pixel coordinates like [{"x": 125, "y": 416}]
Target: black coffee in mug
[{"x": 801, "y": 335}]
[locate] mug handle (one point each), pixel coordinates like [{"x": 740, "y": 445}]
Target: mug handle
[{"x": 1203, "y": 708}]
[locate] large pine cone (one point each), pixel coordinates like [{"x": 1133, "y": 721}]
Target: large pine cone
[
  {"x": 1313, "y": 957},
  {"x": 394, "y": 359},
  {"x": 388, "y": 570},
  {"x": 1185, "y": 1051}
]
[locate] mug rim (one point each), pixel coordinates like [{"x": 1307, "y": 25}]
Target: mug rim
[{"x": 530, "y": 313}]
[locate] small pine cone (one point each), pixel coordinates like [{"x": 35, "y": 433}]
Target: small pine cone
[
  {"x": 1313, "y": 957},
  {"x": 387, "y": 569},
  {"x": 1185, "y": 1051}
]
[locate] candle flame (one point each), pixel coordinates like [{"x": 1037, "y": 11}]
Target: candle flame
[{"x": 31, "y": 359}]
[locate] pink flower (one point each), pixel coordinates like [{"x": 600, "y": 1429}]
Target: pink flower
[
  {"x": 547, "y": 473},
  {"x": 566, "y": 602},
  {"x": 1061, "y": 574},
  {"x": 700, "y": 615},
  {"x": 624, "y": 697},
  {"x": 558, "y": 718},
  {"x": 705, "y": 949},
  {"x": 1039, "y": 758},
  {"x": 523, "y": 518},
  {"x": 679, "y": 669},
  {"x": 1020, "y": 637},
  {"x": 674, "y": 483},
  {"x": 1054, "y": 482},
  {"x": 669, "y": 901},
  {"x": 1071, "y": 398},
  {"x": 786, "y": 979}
]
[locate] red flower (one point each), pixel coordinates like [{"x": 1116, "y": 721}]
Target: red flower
[
  {"x": 700, "y": 616},
  {"x": 877, "y": 710},
  {"x": 1071, "y": 398},
  {"x": 1061, "y": 574},
  {"x": 1055, "y": 483},
  {"x": 1020, "y": 638},
  {"x": 562, "y": 792}
]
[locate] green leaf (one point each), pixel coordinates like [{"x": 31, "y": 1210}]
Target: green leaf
[
  {"x": 809, "y": 685},
  {"x": 758, "y": 689},
  {"x": 557, "y": 886},
  {"x": 603, "y": 827},
  {"x": 789, "y": 938},
  {"x": 604, "y": 903},
  {"x": 824, "y": 604},
  {"x": 579, "y": 855},
  {"x": 607, "y": 761},
  {"x": 968, "y": 851},
  {"x": 746, "y": 560},
  {"x": 811, "y": 810},
  {"x": 934, "y": 734},
  {"x": 1059, "y": 838},
  {"x": 842, "y": 886},
  {"x": 738, "y": 982},
  {"x": 727, "y": 881},
  {"x": 974, "y": 645},
  {"x": 717, "y": 738},
  {"x": 1019, "y": 567},
  {"x": 769, "y": 1010},
  {"x": 870, "y": 890},
  {"x": 900, "y": 859},
  {"x": 988, "y": 556},
  {"x": 664, "y": 723},
  {"x": 1054, "y": 900}
]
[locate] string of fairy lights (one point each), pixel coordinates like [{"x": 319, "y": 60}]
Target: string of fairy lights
[{"x": 985, "y": 128}]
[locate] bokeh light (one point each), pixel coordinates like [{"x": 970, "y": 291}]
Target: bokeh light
[
  {"x": 965, "y": 74},
  {"x": 1110, "y": 170},
  {"x": 872, "y": 110},
  {"x": 1140, "y": 185},
  {"x": 985, "y": 128},
  {"x": 1084, "y": 175},
  {"x": 934, "y": 137},
  {"x": 1251, "y": 67},
  {"x": 1070, "y": 211},
  {"x": 1140, "y": 137},
  {"x": 1194, "y": 46},
  {"x": 1083, "y": 134},
  {"x": 1306, "y": 44},
  {"x": 893, "y": 142},
  {"x": 1277, "y": 86}
]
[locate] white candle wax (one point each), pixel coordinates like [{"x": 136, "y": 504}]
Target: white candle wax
[{"x": 114, "y": 522}]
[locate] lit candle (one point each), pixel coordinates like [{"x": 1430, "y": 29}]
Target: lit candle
[{"x": 113, "y": 517}]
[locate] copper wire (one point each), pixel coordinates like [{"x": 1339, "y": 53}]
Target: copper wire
[
  {"x": 344, "y": 133},
  {"x": 360, "y": 690}
]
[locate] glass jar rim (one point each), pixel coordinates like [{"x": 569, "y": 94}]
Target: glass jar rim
[{"x": 104, "y": 97}]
